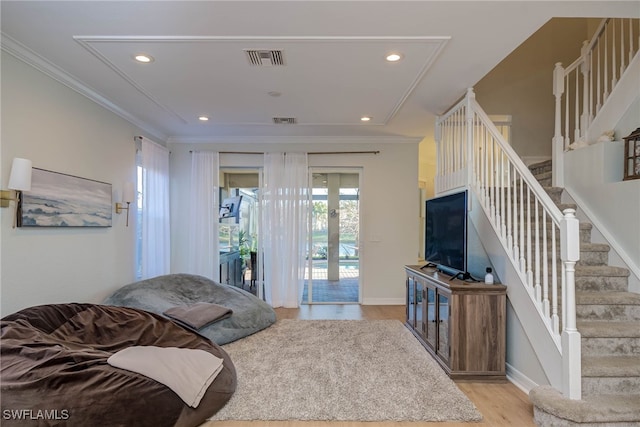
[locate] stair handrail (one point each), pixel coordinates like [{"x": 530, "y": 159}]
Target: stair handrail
[
  {"x": 471, "y": 152},
  {"x": 582, "y": 88}
]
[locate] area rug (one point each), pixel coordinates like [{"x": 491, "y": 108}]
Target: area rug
[{"x": 340, "y": 370}]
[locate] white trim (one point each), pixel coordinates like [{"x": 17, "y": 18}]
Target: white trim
[
  {"x": 41, "y": 64},
  {"x": 295, "y": 139},
  {"x": 336, "y": 169},
  {"x": 520, "y": 380}
]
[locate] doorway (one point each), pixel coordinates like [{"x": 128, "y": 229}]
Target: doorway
[
  {"x": 332, "y": 274},
  {"x": 239, "y": 228}
]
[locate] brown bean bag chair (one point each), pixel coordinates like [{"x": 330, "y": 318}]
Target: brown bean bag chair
[{"x": 54, "y": 369}]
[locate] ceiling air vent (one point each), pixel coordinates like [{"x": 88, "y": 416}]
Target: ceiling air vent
[
  {"x": 284, "y": 120},
  {"x": 265, "y": 58}
]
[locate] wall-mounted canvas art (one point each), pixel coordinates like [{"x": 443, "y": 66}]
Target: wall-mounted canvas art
[{"x": 60, "y": 200}]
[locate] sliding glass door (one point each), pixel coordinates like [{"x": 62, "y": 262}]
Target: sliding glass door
[
  {"x": 333, "y": 258},
  {"x": 238, "y": 229}
]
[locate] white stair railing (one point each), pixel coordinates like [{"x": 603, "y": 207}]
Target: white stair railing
[
  {"x": 582, "y": 88},
  {"x": 473, "y": 153}
]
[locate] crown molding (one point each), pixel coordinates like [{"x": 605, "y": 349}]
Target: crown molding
[
  {"x": 296, "y": 140},
  {"x": 26, "y": 55}
]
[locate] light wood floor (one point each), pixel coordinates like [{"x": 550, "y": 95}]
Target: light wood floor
[{"x": 500, "y": 404}]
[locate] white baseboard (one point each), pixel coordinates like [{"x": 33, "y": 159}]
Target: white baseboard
[
  {"x": 383, "y": 301},
  {"x": 520, "y": 380}
]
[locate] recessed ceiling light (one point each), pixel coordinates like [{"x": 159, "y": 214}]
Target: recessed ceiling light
[
  {"x": 365, "y": 118},
  {"x": 203, "y": 118},
  {"x": 394, "y": 57},
  {"x": 145, "y": 59}
]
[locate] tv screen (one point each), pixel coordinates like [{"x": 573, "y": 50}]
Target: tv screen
[
  {"x": 230, "y": 207},
  {"x": 446, "y": 232}
]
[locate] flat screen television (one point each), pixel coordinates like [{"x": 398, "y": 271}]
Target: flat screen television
[
  {"x": 446, "y": 234},
  {"x": 230, "y": 207}
]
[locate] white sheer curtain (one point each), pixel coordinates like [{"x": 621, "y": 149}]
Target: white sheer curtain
[
  {"x": 156, "y": 245},
  {"x": 203, "y": 215},
  {"x": 284, "y": 225}
]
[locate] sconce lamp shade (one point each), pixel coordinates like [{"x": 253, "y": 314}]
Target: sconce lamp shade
[
  {"x": 128, "y": 192},
  {"x": 20, "y": 178}
]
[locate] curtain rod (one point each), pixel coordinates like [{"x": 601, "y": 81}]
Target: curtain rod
[{"x": 312, "y": 153}]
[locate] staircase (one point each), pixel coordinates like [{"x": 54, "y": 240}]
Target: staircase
[{"x": 608, "y": 318}]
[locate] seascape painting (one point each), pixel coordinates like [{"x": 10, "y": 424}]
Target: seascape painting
[{"x": 60, "y": 200}]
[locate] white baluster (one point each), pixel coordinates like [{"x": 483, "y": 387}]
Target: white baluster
[
  {"x": 487, "y": 189},
  {"x": 584, "y": 69},
  {"x": 545, "y": 268},
  {"x": 614, "y": 79},
  {"x": 523, "y": 267},
  {"x": 622, "y": 63},
  {"x": 566, "y": 112},
  {"x": 576, "y": 117},
  {"x": 503, "y": 226},
  {"x": 493, "y": 182},
  {"x": 510, "y": 207},
  {"x": 598, "y": 90},
  {"x": 536, "y": 268},
  {"x": 605, "y": 79},
  {"x": 554, "y": 283},
  {"x": 630, "y": 40},
  {"x": 591, "y": 88},
  {"x": 469, "y": 136},
  {"x": 529, "y": 248},
  {"x": 558, "y": 141}
]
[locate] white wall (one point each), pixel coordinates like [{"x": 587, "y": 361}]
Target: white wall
[
  {"x": 524, "y": 366},
  {"x": 612, "y": 205},
  {"x": 521, "y": 85},
  {"x": 389, "y": 202},
  {"x": 62, "y": 131}
]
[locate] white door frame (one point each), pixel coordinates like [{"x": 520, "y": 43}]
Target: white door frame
[{"x": 321, "y": 169}]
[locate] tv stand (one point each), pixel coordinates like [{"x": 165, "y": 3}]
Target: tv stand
[{"x": 462, "y": 325}]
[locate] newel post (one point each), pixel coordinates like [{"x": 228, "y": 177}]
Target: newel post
[
  {"x": 557, "y": 171},
  {"x": 469, "y": 113},
  {"x": 571, "y": 354}
]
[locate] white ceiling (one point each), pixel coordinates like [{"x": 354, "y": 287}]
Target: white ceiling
[{"x": 334, "y": 51}]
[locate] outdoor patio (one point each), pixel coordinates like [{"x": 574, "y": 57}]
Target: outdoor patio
[{"x": 344, "y": 290}]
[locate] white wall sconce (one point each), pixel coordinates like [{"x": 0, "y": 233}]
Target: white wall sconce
[
  {"x": 128, "y": 196},
  {"x": 19, "y": 181}
]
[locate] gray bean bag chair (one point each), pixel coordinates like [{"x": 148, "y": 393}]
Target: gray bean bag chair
[{"x": 159, "y": 294}]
